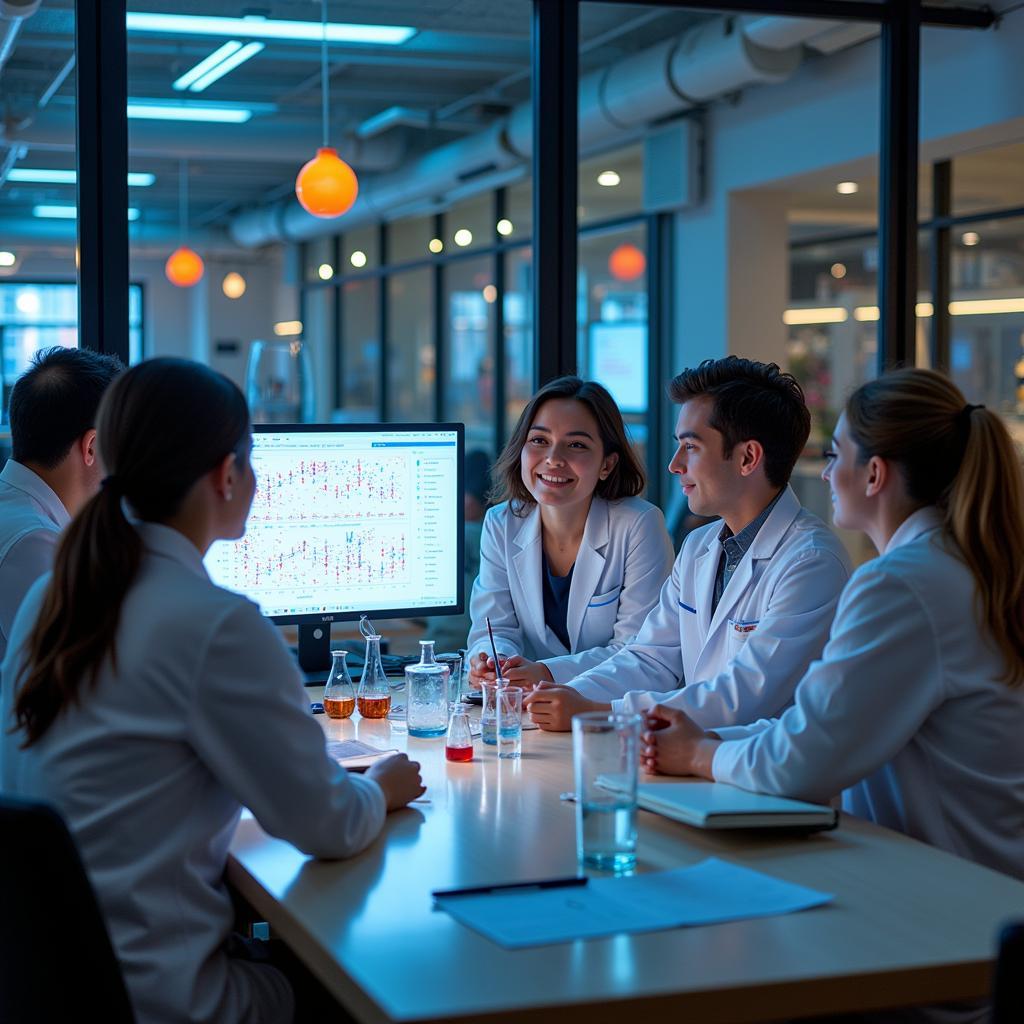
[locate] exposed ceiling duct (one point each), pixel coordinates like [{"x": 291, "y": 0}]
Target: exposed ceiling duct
[
  {"x": 715, "y": 59},
  {"x": 12, "y": 14}
]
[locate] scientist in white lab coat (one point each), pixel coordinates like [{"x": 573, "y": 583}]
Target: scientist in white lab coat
[
  {"x": 750, "y": 599},
  {"x": 571, "y": 560},
  {"x": 916, "y": 709},
  {"x": 148, "y": 705}
]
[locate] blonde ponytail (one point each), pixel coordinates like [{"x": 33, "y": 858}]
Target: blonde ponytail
[{"x": 960, "y": 458}]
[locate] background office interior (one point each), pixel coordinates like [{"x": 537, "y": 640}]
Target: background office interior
[{"x": 728, "y": 182}]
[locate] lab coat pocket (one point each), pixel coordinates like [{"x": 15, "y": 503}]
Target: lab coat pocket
[
  {"x": 605, "y": 600},
  {"x": 740, "y": 631}
]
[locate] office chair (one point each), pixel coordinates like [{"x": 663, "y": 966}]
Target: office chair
[
  {"x": 56, "y": 961},
  {"x": 1008, "y": 993}
]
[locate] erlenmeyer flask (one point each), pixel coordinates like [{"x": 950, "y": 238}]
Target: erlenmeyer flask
[
  {"x": 374, "y": 696},
  {"x": 339, "y": 694}
]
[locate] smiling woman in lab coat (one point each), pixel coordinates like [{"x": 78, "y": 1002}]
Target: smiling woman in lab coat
[
  {"x": 149, "y": 705},
  {"x": 572, "y": 560},
  {"x": 916, "y": 709}
]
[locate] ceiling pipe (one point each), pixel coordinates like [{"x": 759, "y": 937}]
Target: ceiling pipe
[
  {"x": 13, "y": 13},
  {"x": 714, "y": 59}
]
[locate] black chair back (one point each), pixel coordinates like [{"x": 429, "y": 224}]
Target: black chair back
[
  {"x": 1008, "y": 993},
  {"x": 56, "y": 961}
]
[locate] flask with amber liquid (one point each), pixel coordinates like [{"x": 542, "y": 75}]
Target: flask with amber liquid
[
  {"x": 339, "y": 694},
  {"x": 374, "y": 697}
]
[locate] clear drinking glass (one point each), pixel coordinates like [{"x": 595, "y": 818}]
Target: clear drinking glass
[
  {"x": 488, "y": 711},
  {"x": 374, "y": 696},
  {"x": 426, "y": 694},
  {"x": 454, "y": 663},
  {"x": 605, "y": 748},
  {"x": 509, "y": 721},
  {"x": 339, "y": 694},
  {"x": 279, "y": 382}
]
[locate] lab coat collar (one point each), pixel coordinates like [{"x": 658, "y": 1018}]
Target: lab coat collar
[
  {"x": 166, "y": 542},
  {"x": 14, "y": 474},
  {"x": 922, "y": 521}
]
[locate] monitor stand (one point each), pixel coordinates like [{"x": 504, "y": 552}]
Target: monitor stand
[{"x": 315, "y": 647}]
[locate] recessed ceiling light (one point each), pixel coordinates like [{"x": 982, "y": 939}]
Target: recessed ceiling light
[
  {"x": 57, "y": 212},
  {"x": 325, "y": 271},
  {"x": 435, "y": 245},
  {"x": 847, "y": 188},
  {"x": 463, "y": 237},
  {"x": 53, "y": 176},
  {"x": 970, "y": 238},
  {"x": 490, "y": 293},
  {"x": 608, "y": 178},
  {"x": 358, "y": 258},
  {"x": 838, "y": 271},
  {"x": 7, "y": 258},
  {"x": 254, "y": 27},
  {"x": 224, "y": 59},
  {"x": 158, "y": 110},
  {"x": 505, "y": 226}
]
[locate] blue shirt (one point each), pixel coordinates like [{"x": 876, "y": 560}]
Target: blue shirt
[{"x": 556, "y": 602}]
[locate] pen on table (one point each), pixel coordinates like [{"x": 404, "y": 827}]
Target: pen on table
[{"x": 544, "y": 883}]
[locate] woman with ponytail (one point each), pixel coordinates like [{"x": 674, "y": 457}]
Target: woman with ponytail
[
  {"x": 149, "y": 705},
  {"x": 916, "y": 709}
]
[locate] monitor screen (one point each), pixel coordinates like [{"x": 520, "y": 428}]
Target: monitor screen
[{"x": 350, "y": 519}]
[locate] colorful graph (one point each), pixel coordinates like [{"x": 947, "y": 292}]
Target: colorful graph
[
  {"x": 305, "y": 557},
  {"x": 331, "y": 488}
]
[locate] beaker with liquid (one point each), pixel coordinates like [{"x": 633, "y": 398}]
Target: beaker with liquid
[
  {"x": 426, "y": 694},
  {"x": 374, "y": 696},
  {"x": 339, "y": 694},
  {"x": 459, "y": 744}
]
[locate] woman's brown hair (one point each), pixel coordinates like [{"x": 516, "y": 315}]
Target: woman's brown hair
[
  {"x": 960, "y": 458},
  {"x": 161, "y": 426},
  {"x": 624, "y": 481}
]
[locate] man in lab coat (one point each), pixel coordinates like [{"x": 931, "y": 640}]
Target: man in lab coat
[
  {"x": 751, "y": 597},
  {"x": 53, "y": 470}
]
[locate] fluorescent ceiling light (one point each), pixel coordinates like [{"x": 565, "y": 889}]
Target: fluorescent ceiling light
[
  {"x": 824, "y": 315},
  {"x": 847, "y": 188},
  {"x": 69, "y": 212},
  {"x": 7, "y": 258},
  {"x": 232, "y": 62},
  {"x": 288, "y": 328},
  {"x": 154, "y": 110},
  {"x": 266, "y": 28},
  {"x": 44, "y": 176},
  {"x": 609, "y": 179},
  {"x": 206, "y": 64},
  {"x": 976, "y": 307}
]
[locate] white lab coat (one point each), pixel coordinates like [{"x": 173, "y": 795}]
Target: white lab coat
[
  {"x": 743, "y": 662},
  {"x": 623, "y": 560},
  {"x": 904, "y": 712},
  {"x": 205, "y": 714},
  {"x": 31, "y": 520}
]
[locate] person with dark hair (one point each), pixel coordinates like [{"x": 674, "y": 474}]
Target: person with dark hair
[
  {"x": 750, "y": 599},
  {"x": 53, "y": 470},
  {"x": 915, "y": 710},
  {"x": 149, "y": 706},
  {"x": 572, "y": 559}
]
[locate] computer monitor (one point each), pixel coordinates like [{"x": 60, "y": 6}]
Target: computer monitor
[{"x": 350, "y": 520}]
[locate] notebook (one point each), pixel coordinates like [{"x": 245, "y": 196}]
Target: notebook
[
  {"x": 355, "y": 755},
  {"x": 715, "y": 805}
]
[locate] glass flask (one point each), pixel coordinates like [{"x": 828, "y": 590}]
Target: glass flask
[
  {"x": 459, "y": 744},
  {"x": 339, "y": 694},
  {"x": 426, "y": 694},
  {"x": 374, "y": 696},
  {"x": 279, "y": 381}
]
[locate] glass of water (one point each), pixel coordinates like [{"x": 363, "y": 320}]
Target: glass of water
[
  {"x": 454, "y": 663},
  {"x": 509, "y": 721},
  {"x": 605, "y": 748},
  {"x": 488, "y": 714}
]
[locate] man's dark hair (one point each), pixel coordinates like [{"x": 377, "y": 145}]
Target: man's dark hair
[
  {"x": 54, "y": 402},
  {"x": 751, "y": 402}
]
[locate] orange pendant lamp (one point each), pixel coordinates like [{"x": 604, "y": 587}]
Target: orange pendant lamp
[
  {"x": 326, "y": 186},
  {"x": 184, "y": 267},
  {"x": 627, "y": 262}
]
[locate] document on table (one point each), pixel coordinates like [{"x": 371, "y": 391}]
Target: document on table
[{"x": 710, "y": 892}]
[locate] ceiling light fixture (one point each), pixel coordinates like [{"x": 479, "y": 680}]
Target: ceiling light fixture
[
  {"x": 325, "y": 271},
  {"x": 233, "y": 285},
  {"x": 847, "y": 188},
  {"x": 224, "y": 59},
  {"x": 157, "y": 110},
  {"x": 435, "y": 245},
  {"x": 609, "y": 179},
  {"x": 7, "y": 258},
  {"x": 838, "y": 271},
  {"x": 970, "y": 238},
  {"x": 490, "y": 293},
  {"x": 358, "y": 259},
  {"x": 57, "y": 211},
  {"x": 626, "y": 262},
  {"x": 825, "y": 315},
  {"x": 255, "y": 27},
  {"x": 184, "y": 267},
  {"x": 53, "y": 176},
  {"x": 463, "y": 237},
  {"x": 326, "y": 186},
  {"x": 505, "y": 226},
  {"x": 288, "y": 328}
]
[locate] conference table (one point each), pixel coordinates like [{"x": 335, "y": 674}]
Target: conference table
[{"x": 909, "y": 924}]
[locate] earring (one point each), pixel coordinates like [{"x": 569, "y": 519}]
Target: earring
[{"x": 227, "y": 495}]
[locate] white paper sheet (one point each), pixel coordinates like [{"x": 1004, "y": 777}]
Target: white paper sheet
[{"x": 706, "y": 893}]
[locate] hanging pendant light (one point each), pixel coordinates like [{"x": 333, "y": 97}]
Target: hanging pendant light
[
  {"x": 184, "y": 267},
  {"x": 326, "y": 186}
]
